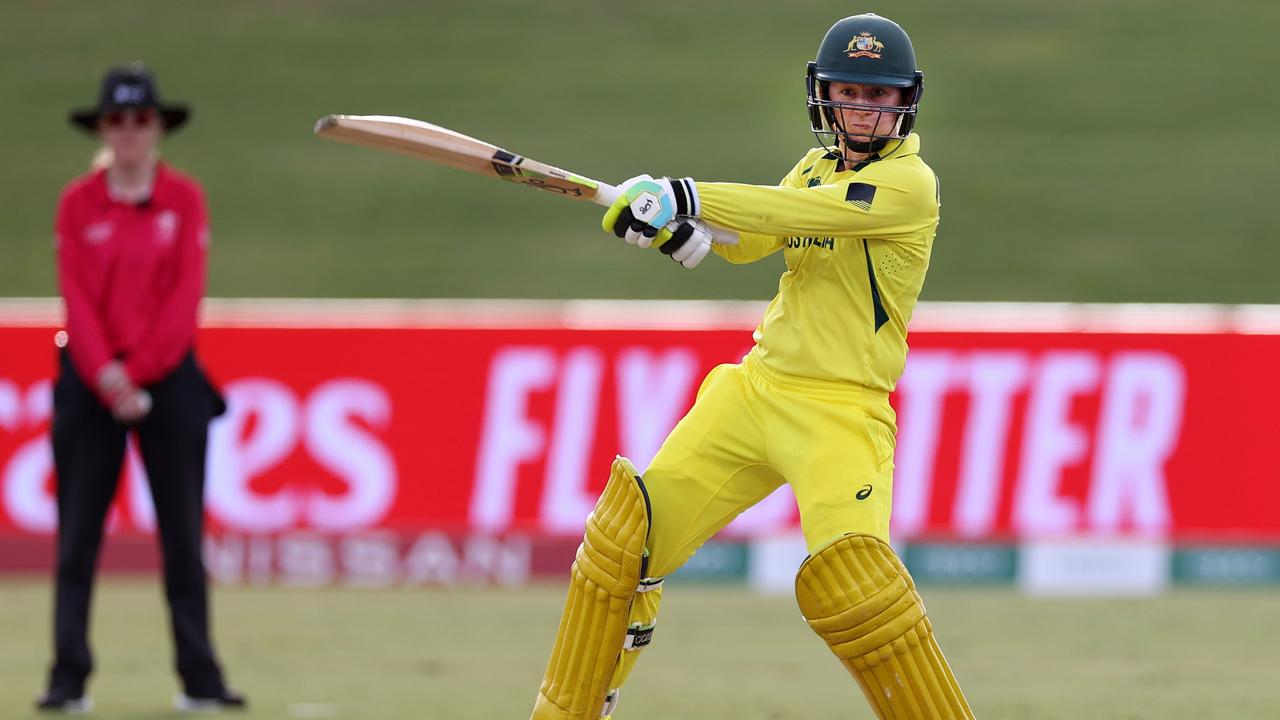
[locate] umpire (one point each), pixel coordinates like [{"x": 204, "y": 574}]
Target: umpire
[{"x": 131, "y": 237}]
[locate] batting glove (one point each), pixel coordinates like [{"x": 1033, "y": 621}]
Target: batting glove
[
  {"x": 646, "y": 206},
  {"x": 689, "y": 243}
]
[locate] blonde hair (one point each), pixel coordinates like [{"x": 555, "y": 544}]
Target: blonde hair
[{"x": 102, "y": 159}]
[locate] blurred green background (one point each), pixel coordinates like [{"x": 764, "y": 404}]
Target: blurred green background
[{"x": 1118, "y": 150}]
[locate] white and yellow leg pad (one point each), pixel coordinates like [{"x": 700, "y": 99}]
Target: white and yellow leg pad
[
  {"x": 603, "y": 582},
  {"x": 858, "y": 597}
]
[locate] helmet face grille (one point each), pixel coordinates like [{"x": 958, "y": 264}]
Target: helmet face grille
[{"x": 825, "y": 123}]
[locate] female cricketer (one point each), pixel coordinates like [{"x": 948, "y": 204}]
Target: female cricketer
[{"x": 808, "y": 405}]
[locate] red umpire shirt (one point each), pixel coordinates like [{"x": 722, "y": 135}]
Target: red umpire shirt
[{"x": 132, "y": 274}]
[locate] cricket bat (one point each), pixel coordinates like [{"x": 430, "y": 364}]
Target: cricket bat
[{"x": 443, "y": 146}]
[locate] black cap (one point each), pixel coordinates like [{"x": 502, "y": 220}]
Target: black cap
[{"x": 130, "y": 87}]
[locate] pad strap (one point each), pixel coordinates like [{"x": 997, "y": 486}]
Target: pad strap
[
  {"x": 610, "y": 703},
  {"x": 649, "y": 584},
  {"x": 638, "y": 636}
]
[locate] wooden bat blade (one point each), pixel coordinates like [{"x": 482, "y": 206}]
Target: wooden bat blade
[
  {"x": 411, "y": 137},
  {"x": 443, "y": 146}
]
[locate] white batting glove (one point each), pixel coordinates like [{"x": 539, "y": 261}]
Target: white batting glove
[
  {"x": 646, "y": 206},
  {"x": 689, "y": 243}
]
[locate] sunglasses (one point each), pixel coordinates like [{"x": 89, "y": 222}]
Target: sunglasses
[{"x": 142, "y": 117}]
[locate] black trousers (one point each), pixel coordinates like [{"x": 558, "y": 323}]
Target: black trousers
[{"x": 88, "y": 451}]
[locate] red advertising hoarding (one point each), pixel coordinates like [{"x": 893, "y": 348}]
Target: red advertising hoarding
[{"x": 500, "y": 419}]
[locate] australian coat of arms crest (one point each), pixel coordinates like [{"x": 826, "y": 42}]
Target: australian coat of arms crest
[{"x": 865, "y": 45}]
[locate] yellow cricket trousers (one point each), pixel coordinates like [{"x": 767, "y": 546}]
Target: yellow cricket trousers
[{"x": 750, "y": 430}]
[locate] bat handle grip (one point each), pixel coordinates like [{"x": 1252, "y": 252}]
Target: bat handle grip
[
  {"x": 607, "y": 194},
  {"x": 723, "y": 236}
]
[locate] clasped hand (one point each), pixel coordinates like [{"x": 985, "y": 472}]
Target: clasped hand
[{"x": 128, "y": 403}]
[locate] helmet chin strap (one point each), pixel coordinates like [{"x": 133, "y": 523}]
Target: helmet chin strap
[
  {"x": 866, "y": 148},
  {"x": 844, "y": 141}
]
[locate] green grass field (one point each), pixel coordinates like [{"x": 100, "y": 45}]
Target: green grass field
[
  {"x": 1102, "y": 150},
  {"x": 721, "y": 654}
]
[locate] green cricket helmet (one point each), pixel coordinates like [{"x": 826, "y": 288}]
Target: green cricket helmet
[{"x": 866, "y": 50}]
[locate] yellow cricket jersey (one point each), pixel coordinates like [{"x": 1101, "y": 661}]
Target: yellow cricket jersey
[{"x": 856, "y": 242}]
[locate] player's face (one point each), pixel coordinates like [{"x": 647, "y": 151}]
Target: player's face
[
  {"x": 131, "y": 134},
  {"x": 862, "y": 123}
]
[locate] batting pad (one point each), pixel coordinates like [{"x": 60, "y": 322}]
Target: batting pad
[
  {"x": 603, "y": 582},
  {"x": 858, "y": 597}
]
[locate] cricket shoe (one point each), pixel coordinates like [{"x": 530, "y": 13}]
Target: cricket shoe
[
  {"x": 226, "y": 700},
  {"x": 57, "y": 702}
]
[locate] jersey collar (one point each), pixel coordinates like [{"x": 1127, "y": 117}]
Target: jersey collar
[{"x": 909, "y": 146}]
